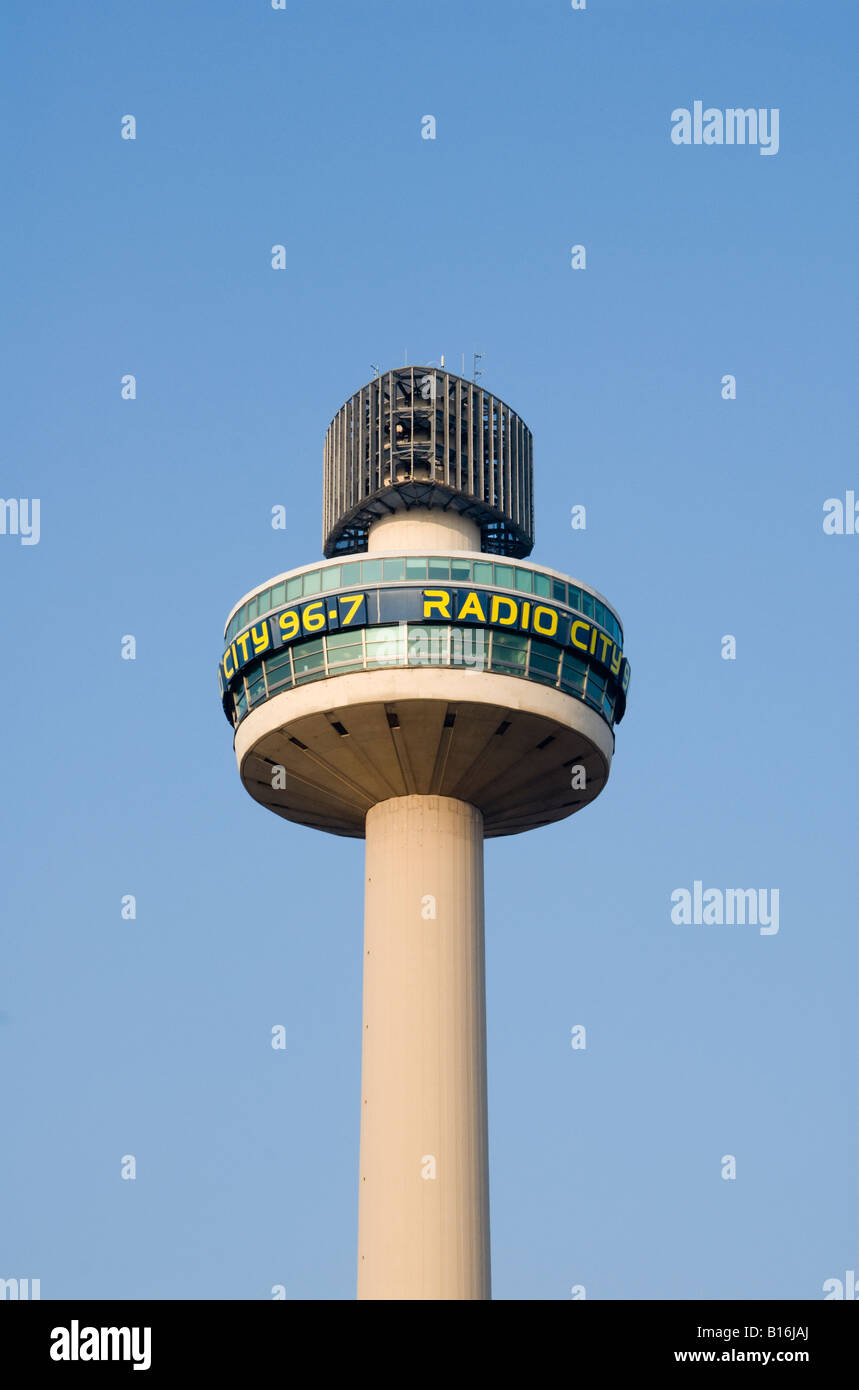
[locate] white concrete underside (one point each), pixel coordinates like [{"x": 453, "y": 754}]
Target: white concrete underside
[{"x": 423, "y": 730}]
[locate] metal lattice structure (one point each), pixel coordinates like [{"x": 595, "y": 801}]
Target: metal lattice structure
[{"x": 422, "y": 437}]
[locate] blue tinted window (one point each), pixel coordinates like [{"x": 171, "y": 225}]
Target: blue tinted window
[
  {"x": 543, "y": 585},
  {"x": 524, "y": 581},
  {"x": 416, "y": 567}
]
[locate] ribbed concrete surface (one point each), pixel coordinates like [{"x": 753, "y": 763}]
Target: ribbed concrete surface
[{"x": 423, "y": 1102}]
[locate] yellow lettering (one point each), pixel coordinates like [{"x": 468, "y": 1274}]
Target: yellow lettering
[
  {"x": 288, "y": 623},
  {"x": 593, "y": 646},
  {"x": 616, "y": 658},
  {"x": 583, "y": 646},
  {"x": 356, "y": 600},
  {"x": 261, "y": 638},
  {"x": 606, "y": 643},
  {"x": 553, "y": 620},
  {"x": 232, "y": 671},
  {"x": 471, "y": 608},
  {"x": 436, "y": 599},
  {"x": 243, "y": 643},
  {"x": 313, "y": 617},
  {"x": 495, "y": 610}
]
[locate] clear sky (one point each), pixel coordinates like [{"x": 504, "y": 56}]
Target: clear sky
[{"x": 152, "y": 257}]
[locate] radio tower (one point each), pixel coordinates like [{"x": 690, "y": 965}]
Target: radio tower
[{"x": 424, "y": 687}]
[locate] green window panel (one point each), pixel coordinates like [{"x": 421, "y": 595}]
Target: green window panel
[
  {"x": 336, "y": 640},
  {"x": 587, "y": 604},
  {"x": 311, "y": 583},
  {"x": 439, "y": 567},
  {"x": 394, "y": 569},
  {"x": 276, "y": 663},
  {"x": 278, "y": 595},
  {"x": 252, "y": 609},
  {"x": 293, "y": 588},
  {"x": 341, "y": 666},
  {"x": 461, "y": 569},
  {"x": 371, "y": 571},
  {"x": 307, "y": 656},
  {"x": 504, "y": 576},
  {"x": 595, "y": 690},
  {"x": 350, "y": 574},
  {"x": 416, "y": 568},
  {"x": 573, "y": 674},
  {"x": 543, "y": 662},
  {"x": 559, "y": 591},
  {"x": 278, "y": 671},
  {"x": 345, "y": 649},
  {"x": 524, "y": 581},
  {"x": 509, "y": 652},
  {"x": 483, "y": 572},
  {"x": 542, "y": 585},
  {"x": 330, "y": 578},
  {"x": 385, "y": 646},
  {"x": 545, "y": 653}
]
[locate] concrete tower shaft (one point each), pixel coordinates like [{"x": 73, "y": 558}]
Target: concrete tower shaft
[{"x": 423, "y": 1194}]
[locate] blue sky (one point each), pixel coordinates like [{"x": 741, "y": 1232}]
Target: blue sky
[{"x": 153, "y": 257}]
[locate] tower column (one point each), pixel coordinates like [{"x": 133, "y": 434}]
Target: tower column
[{"x": 423, "y": 1212}]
